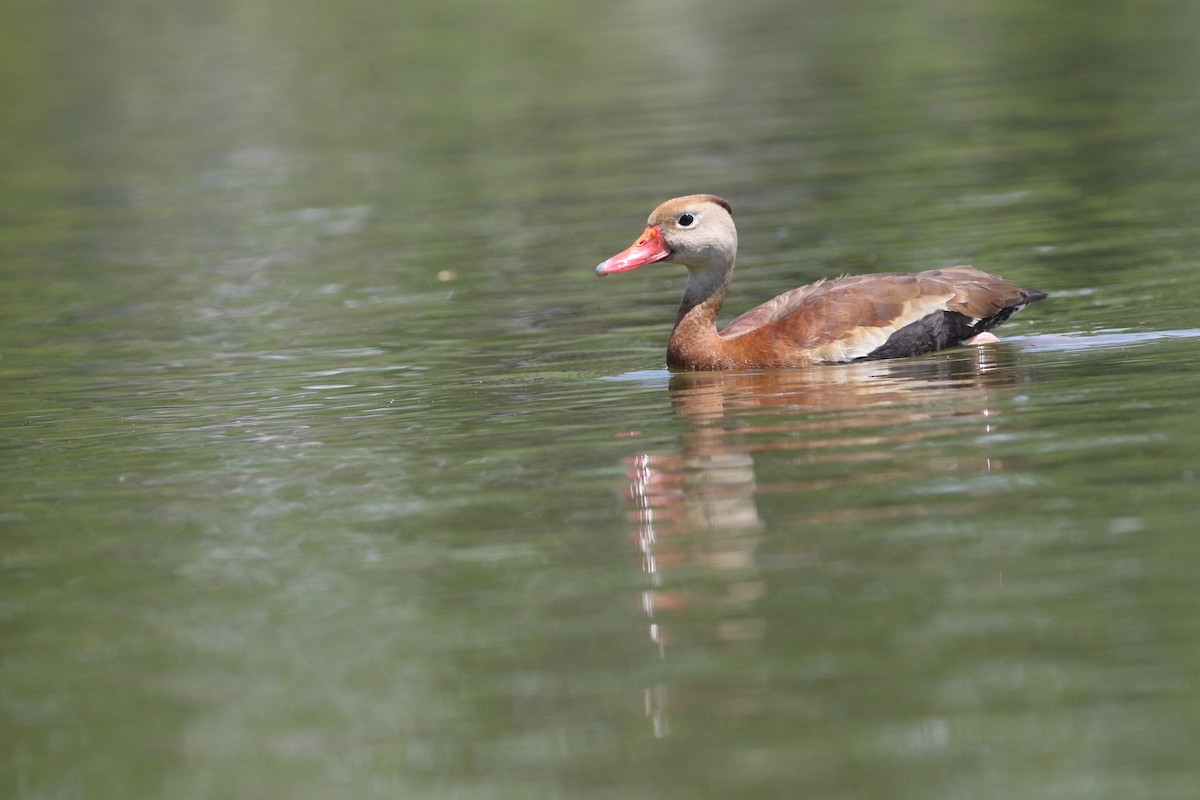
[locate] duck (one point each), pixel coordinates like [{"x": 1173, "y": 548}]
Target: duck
[{"x": 851, "y": 318}]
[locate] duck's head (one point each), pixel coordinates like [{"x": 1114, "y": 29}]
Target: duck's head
[{"x": 696, "y": 231}]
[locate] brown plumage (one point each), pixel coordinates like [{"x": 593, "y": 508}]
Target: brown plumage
[{"x": 885, "y": 315}]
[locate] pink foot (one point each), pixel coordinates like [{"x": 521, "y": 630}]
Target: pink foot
[{"x": 983, "y": 338}]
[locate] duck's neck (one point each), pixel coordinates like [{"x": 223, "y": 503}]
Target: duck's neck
[{"x": 695, "y": 343}]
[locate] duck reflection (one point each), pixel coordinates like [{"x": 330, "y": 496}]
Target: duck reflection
[{"x": 697, "y": 520}]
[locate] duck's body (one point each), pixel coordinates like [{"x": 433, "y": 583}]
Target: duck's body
[{"x": 885, "y": 315}]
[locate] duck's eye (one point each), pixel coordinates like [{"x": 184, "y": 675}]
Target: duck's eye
[{"x": 685, "y": 220}]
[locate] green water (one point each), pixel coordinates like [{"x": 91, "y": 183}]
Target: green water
[{"x": 329, "y": 470}]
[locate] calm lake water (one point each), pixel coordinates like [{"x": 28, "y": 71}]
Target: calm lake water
[{"x": 329, "y": 470}]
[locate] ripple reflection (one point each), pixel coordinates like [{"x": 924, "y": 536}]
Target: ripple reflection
[{"x": 697, "y": 523}]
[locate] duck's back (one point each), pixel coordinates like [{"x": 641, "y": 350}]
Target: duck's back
[{"x": 883, "y": 315}]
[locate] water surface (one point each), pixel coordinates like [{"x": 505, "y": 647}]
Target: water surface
[{"x": 329, "y": 469}]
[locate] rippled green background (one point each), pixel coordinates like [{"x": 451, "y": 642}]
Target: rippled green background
[{"x": 329, "y": 470}]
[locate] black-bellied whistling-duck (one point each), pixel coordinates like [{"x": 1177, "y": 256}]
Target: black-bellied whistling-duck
[{"x": 857, "y": 318}]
